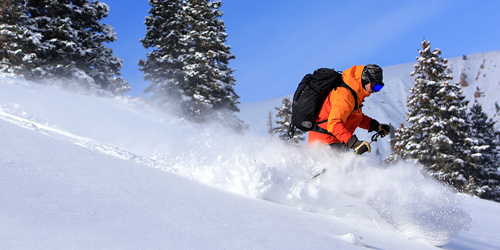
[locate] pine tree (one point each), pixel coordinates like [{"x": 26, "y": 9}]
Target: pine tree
[
  {"x": 210, "y": 79},
  {"x": 163, "y": 66},
  {"x": 283, "y": 120},
  {"x": 398, "y": 144},
  {"x": 270, "y": 123},
  {"x": 485, "y": 156},
  {"x": 17, "y": 42},
  {"x": 437, "y": 133},
  {"x": 70, "y": 43},
  {"x": 189, "y": 66}
]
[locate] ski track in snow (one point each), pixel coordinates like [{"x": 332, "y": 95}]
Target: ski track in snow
[
  {"x": 372, "y": 195},
  {"x": 75, "y": 139}
]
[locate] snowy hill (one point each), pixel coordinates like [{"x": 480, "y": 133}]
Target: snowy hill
[{"x": 86, "y": 172}]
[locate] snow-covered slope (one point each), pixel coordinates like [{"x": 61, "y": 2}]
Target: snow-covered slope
[
  {"x": 87, "y": 172},
  {"x": 57, "y": 195}
]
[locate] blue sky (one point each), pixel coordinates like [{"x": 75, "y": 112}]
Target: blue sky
[{"x": 276, "y": 42}]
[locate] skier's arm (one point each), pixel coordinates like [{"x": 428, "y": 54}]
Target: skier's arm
[
  {"x": 342, "y": 105},
  {"x": 366, "y": 122}
]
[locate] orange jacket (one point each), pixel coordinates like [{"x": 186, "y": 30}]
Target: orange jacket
[{"x": 338, "y": 109}]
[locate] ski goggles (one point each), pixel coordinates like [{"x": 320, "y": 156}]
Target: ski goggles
[{"x": 376, "y": 86}]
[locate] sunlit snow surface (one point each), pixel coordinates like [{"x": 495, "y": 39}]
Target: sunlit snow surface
[{"x": 360, "y": 191}]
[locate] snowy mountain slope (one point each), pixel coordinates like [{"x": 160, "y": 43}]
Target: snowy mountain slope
[
  {"x": 58, "y": 194},
  {"x": 391, "y": 208},
  {"x": 481, "y": 71},
  {"x": 61, "y": 196}
]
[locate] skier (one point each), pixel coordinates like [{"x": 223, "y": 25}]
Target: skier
[{"x": 338, "y": 118}]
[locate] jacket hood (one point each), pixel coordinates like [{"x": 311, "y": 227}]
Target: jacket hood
[{"x": 352, "y": 77}]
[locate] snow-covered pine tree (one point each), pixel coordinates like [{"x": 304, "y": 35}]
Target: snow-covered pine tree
[
  {"x": 71, "y": 44},
  {"x": 270, "y": 123},
  {"x": 17, "y": 42},
  {"x": 398, "y": 144},
  {"x": 188, "y": 66},
  {"x": 283, "y": 120},
  {"x": 437, "y": 132},
  {"x": 210, "y": 80},
  {"x": 484, "y": 155},
  {"x": 163, "y": 66}
]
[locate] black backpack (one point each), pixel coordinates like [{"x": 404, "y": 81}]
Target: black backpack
[{"x": 309, "y": 97}]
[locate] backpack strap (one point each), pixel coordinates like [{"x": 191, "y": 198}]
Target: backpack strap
[{"x": 317, "y": 128}]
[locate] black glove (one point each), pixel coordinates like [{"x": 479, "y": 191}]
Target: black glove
[
  {"x": 360, "y": 147},
  {"x": 382, "y": 129}
]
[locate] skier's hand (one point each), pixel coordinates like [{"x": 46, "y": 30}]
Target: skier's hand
[
  {"x": 384, "y": 129},
  {"x": 360, "y": 147}
]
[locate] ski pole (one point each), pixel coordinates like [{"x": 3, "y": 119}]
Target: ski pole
[{"x": 375, "y": 138}]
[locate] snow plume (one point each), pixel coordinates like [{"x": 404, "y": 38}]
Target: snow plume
[
  {"x": 402, "y": 195},
  {"x": 353, "y": 188}
]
